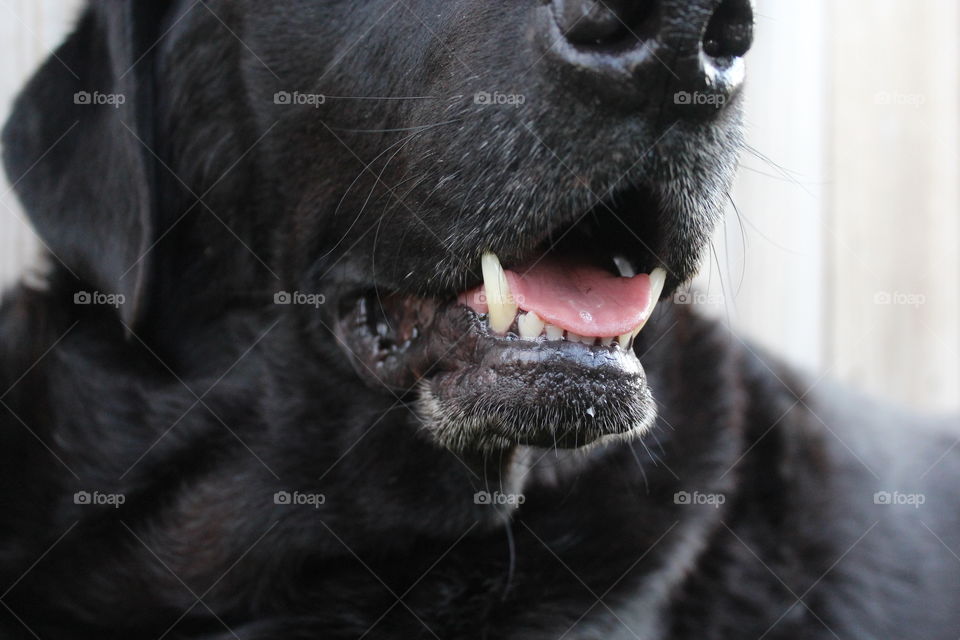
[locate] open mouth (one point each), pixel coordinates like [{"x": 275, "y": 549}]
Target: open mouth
[
  {"x": 539, "y": 354},
  {"x": 573, "y": 299}
]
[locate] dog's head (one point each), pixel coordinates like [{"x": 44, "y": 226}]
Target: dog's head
[{"x": 473, "y": 205}]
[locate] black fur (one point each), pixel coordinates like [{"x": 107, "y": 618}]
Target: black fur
[{"x": 198, "y": 398}]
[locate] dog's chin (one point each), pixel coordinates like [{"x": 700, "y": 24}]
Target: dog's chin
[
  {"x": 545, "y": 395},
  {"x": 476, "y": 389}
]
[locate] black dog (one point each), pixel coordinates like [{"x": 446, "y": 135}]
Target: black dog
[{"x": 276, "y": 385}]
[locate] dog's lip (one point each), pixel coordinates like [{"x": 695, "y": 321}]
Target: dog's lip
[
  {"x": 444, "y": 356},
  {"x": 398, "y": 340}
]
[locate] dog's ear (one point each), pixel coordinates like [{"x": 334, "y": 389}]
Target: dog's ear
[{"x": 78, "y": 149}]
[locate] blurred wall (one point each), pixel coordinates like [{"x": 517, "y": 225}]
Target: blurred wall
[
  {"x": 842, "y": 253},
  {"x": 844, "y": 256}
]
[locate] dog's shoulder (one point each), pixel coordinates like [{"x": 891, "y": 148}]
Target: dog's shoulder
[{"x": 881, "y": 491}]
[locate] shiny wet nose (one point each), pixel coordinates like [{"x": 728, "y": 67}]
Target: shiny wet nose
[{"x": 682, "y": 46}]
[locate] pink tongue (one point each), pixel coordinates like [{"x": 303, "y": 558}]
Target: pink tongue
[{"x": 577, "y": 296}]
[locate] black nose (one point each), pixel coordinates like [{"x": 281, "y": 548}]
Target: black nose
[{"x": 626, "y": 49}]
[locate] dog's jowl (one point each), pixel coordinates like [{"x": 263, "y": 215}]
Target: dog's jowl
[{"x": 359, "y": 323}]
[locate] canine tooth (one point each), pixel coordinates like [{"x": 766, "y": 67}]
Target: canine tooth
[
  {"x": 554, "y": 332},
  {"x": 625, "y": 339},
  {"x": 500, "y": 303},
  {"x": 606, "y": 341},
  {"x": 530, "y": 325},
  {"x": 658, "y": 277}
]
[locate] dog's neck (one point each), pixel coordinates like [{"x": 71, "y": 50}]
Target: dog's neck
[{"x": 233, "y": 411}]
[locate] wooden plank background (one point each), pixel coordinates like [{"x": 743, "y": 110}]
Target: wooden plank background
[
  {"x": 895, "y": 203},
  {"x": 844, "y": 256}
]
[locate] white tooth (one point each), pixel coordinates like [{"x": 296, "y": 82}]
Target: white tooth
[
  {"x": 606, "y": 341},
  {"x": 625, "y": 339},
  {"x": 576, "y": 337},
  {"x": 554, "y": 332},
  {"x": 624, "y": 267},
  {"x": 658, "y": 277},
  {"x": 530, "y": 325},
  {"x": 500, "y": 303}
]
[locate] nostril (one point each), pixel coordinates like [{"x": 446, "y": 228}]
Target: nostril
[
  {"x": 729, "y": 33},
  {"x": 601, "y": 22}
]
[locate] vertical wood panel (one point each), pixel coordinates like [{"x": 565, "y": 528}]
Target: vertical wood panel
[{"x": 893, "y": 315}]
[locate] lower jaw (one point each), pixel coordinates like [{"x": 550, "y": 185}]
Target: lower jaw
[{"x": 481, "y": 391}]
